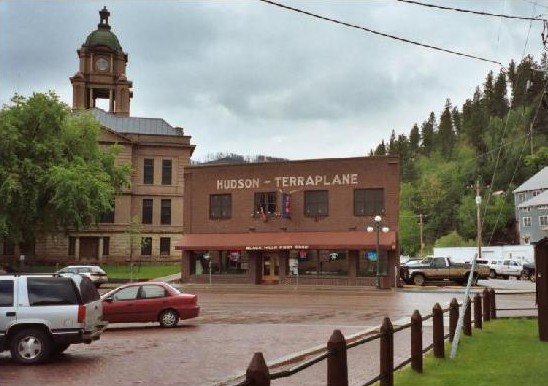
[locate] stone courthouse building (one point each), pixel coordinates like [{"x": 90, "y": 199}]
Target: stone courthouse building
[
  {"x": 156, "y": 151},
  {"x": 292, "y": 222}
]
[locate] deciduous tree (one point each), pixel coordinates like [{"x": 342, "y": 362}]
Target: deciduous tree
[{"x": 53, "y": 173}]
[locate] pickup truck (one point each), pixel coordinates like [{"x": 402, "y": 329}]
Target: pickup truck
[{"x": 441, "y": 268}]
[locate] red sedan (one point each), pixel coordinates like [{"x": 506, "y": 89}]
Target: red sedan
[{"x": 149, "y": 302}]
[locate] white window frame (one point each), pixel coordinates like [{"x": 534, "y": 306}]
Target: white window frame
[{"x": 527, "y": 221}]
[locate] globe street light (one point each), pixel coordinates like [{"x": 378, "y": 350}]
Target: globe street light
[{"x": 377, "y": 227}]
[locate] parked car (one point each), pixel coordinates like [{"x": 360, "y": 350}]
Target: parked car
[
  {"x": 43, "y": 314},
  {"x": 97, "y": 275},
  {"x": 149, "y": 302},
  {"x": 529, "y": 272}
]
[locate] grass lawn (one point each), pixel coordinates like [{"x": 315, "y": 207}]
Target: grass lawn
[
  {"x": 504, "y": 352},
  {"x": 143, "y": 272}
]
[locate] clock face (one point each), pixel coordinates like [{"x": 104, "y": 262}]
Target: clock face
[{"x": 101, "y": 64}]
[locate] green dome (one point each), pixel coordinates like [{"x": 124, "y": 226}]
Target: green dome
[{"x": 103, "y": 37}]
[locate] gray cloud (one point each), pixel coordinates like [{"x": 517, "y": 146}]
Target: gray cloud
[{"x": 250, "y": 78}]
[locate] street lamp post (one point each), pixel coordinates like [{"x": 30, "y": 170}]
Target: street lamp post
[{"x": 377, "y": 227}]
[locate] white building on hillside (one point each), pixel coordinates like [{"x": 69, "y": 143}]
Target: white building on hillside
[{"x": 531, "y": 205}]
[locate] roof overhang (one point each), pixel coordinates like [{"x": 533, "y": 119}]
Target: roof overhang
[{"x": 352, "y": 240}]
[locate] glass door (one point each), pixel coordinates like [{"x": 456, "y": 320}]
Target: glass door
[{"x": 271, "y": 269}]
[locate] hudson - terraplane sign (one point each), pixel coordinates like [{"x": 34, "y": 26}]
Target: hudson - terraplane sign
[{"x": 289, "y": 181}]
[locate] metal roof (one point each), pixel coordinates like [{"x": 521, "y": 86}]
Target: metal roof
[
  {"x": 541, "y": 199},
  {"x": 537, "y": 182},
  {"x": 133, "y": 125},
  {"x": 103, "y": 38}
]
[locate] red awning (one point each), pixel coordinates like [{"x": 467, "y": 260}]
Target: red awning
[{"x": 353, "y": 240}]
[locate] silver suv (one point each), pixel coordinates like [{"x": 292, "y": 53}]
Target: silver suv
[{"x": 43, "y": 314}]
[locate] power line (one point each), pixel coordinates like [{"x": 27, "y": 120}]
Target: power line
[
  {"x": 470, "y": 11},
  {"x": 400, "y": 39},
  {"x": 535, "y": 3}
]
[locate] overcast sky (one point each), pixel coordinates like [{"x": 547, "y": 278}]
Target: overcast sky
[{"x": 251, "y": 78}]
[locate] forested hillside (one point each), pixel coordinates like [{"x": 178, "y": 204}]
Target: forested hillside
[{"x": 498, "y": 137}]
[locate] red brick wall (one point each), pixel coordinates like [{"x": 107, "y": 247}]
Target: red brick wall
[{"x": 368, "y": 172}]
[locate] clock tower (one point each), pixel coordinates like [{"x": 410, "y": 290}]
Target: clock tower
[{"x": 102, "y": 73}]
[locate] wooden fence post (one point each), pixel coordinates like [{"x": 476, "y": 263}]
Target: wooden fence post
[
  {"x": 257, "y": 372},
  {"x": 416, "y": 341},
  {"x": 486, "y": 305},
  {"x": 387, "y": 353},
  {"x": 477, "y": 311},
  {"x": 493, "y": 304},
  {"x": 467, "y": 322},
  {"x": 453, "y": 318},
  {"x": 437, "y": 331},
  {"x": 337, "y": 366}
]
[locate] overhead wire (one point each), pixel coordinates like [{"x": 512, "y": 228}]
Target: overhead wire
[
  {"x": 394, "y": 37},
  {"x": 538, "y": 18},
  {"x": 529, "y": 137},
  {"x": 455, "y": 342},
  {"x": 408, "y": 41},
  {"x": 535, "y": 3}
]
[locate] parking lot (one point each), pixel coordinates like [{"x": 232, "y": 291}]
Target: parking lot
[{"x": 236, "y": 322}]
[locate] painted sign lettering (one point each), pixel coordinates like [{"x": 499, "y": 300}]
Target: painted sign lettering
[
  {"x": 274, "y": 247},
  {"x": 289, "y": 181}
]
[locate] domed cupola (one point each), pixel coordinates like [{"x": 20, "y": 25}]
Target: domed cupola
[
  {"x": 103, "y": 36},
  {"x": 102, "y": 72}
]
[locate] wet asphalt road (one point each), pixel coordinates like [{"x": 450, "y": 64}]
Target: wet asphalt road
[{"x": 235, "y": 323}]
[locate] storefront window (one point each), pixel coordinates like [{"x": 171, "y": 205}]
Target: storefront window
[
  {"x": 312, "y": 262},
  {"x": 367, "y": 263},
  {"x": 221, "y": 263}
]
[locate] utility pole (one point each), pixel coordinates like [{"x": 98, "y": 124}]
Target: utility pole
[
  {"x": 478, "y": 216},
  {"x": 460, "y": 321},
  {"x": 422, "y": 241},
  {"x": 531, "y": 135}
]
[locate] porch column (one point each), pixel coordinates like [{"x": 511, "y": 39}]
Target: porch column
[
  {"x": 77, "y": 248},
  {"x": 353, "y": 260},
  {"x": 100, "y": 251},
  {"x": 255, "y": 267},
  {"x": 283, "y": 257},
  {"x": 186, "y": 266}
]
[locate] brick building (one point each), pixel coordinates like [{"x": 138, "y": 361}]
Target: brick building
[
  {"x": 146, "y": 222},
  {"x": 293, "y": 222}
]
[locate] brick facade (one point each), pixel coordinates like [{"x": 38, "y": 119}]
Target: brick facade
[{"x": 257, "y": 237}]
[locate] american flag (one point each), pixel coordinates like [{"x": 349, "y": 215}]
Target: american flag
[{"x": 262, "y": 213}]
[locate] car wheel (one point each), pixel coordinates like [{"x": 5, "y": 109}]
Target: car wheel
[
  {"x": 533, "y": 277},
  {"x": 30, "y": 346},
  {"x": 418, "y": 279},
  {"x": 492, "y": 274},
  {"x": 169, "y": 318}
]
